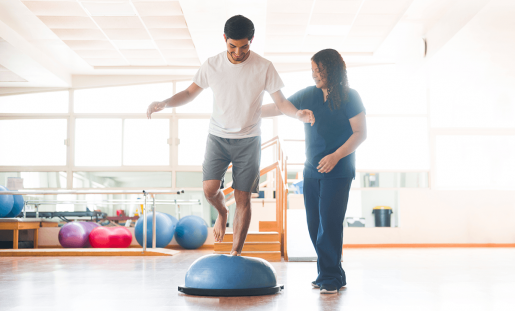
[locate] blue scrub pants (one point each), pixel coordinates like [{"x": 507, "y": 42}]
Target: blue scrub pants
[{"x": 326, "y": 204}]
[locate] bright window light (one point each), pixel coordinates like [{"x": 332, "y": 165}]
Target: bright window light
[
  {"x": 121, "y": 179},
  {"x": 145, "y": 142},
  {"x": 267, "y": 157},
  {"x": 36, "y": 179},
  {"x": 295, "y": 150},
  {"x": 296, "y": 81},
  {"x": 463, "y": 106},
  {"x": 399, "y": 143},
  {"x": 33, "y": 142},
  {"x": 193, "y": 136},
  {"x": 98, "y": 142},
  {"x": 267, "y": 129},
  {"x": 475, "y": 162},
  {"x": 121, "y": 99},
  {"x": 290, "y": 128},
  {"x": 385, "y": 90},
  {"x": 267, "y": 133},
  {"x": 202, "y": 104},
  {"x": 48, "y": 102}
]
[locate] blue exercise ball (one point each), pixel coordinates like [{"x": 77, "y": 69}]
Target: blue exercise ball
[
  {"x": 164, "y": 230},
  {"x": 6, "y": 202},
  {"x": 174, "y": 220},
  {"x": 191, "y": 232},
  {"x": 230, "y": 272},
  {"x": 17, "y": 206}
]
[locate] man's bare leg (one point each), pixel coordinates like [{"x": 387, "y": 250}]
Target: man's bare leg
[
  {"x": 241, "y": 221},
  {"x": 215, "y": 197}
]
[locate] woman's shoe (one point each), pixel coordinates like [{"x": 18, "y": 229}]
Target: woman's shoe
[{"x": 329, "y": 289}]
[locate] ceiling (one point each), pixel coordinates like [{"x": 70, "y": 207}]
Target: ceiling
[{"x": 66, "y": 42}]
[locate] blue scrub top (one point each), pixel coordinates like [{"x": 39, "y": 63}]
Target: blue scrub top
[{"x": 330, "y": 131}]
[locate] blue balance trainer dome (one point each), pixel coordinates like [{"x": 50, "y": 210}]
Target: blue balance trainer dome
[{"x": 223, "y": 275}]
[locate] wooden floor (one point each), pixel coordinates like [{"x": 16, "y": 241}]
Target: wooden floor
[
  {"x": 51, "y": 252},
  {"x": 378, "y": 279}
]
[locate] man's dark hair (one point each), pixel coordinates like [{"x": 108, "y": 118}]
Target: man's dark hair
[{"x": 239, "y": 27}]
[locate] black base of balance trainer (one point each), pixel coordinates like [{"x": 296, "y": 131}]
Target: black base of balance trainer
[{"x": 231, "y": 292}]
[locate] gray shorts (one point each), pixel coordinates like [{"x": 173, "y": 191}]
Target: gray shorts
[{"x": 245, "y": 155}]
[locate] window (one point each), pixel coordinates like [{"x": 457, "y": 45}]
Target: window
[
  {"x": 475, "y": 161},
  {"x": 394, "y": 143},
  {"x": 290, "y": 128},
  {"x": 145, "y": 142},
  {"x": 36, "y": 179},
  {"x": 296, "y": 81},
  {"x": 189, "y": 180},
  {"x": 202, "y": 104},
  {"x": 121, "y": 99},
  {"x": 121, "y": 179},
  {"x": 192, "y": 135},
  {"x": 384, "y": 90},
  {"x": 267, "y": 130},
  {"x": 295, "y": 150},
  {"x": 33, "y": 142},
  {"x": 48, "y": 102},
  {"x": 98, "y": 142}
]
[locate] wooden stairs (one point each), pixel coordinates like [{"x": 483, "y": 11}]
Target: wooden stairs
[
  {"x": 270, "y": 242},
  {"x": 266, "y": 245}
]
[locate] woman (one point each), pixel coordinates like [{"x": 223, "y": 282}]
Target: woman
[{"x": 330, "y": 164}]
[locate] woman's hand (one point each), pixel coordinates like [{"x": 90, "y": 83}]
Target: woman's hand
[
  {"x": 328, "y": 163},
  {"x": 155, "y": 107},
  {"x": 306, "y": 116}
]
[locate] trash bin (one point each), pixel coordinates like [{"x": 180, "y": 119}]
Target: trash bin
[{"x": 382, "y": 215}]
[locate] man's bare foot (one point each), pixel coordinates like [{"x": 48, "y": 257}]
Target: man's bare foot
[
  {"x": 235, "y": 253},
  {"x": 219, "y": 228}
]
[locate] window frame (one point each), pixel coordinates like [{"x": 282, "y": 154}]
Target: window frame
[{"x": 71, "y": 116}]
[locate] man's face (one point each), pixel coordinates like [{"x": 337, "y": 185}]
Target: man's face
[{"x": 238, "y": 49}]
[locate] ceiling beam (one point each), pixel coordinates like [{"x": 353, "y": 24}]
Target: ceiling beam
[
  {"x": 24, "y": 59},
  {"x": 459, "y": 15}
]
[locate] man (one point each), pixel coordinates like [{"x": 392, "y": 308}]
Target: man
[{"x": 238, "y": 78}]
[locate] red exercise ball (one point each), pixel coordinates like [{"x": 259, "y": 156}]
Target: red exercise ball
[{"x": 110, "y": 237}]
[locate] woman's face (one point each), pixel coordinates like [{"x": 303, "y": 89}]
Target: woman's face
[{"x": 318, "y": 75}]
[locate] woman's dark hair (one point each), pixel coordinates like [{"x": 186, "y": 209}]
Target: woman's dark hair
[
  {"x": 239, "y": 27},
  {"x": 333, "y": 68}
]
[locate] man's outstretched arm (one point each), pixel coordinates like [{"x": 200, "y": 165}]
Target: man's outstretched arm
[
  {"x": 270, "y": 110},
  {"x": 287, "y": 108},
  {"x": 179, "y": 99}
]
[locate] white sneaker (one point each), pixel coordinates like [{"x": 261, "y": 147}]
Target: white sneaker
[{"x": 328, "y": 289}]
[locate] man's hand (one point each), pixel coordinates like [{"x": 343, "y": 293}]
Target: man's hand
[
  {"x": 155, "y": 107},
  {"x": 306, "y": 116},
  {"x": 328, "y": 163}
]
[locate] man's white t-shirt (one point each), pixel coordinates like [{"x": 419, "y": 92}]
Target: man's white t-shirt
[{"x": 238, "y": 91}]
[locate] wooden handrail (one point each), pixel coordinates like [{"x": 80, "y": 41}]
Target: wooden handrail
[
  {"x": 262, "y": 172},
  {"x": 281, "y": 188}
]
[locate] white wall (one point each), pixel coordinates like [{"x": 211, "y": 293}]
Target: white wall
[{"x": 439, "y": 216}]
